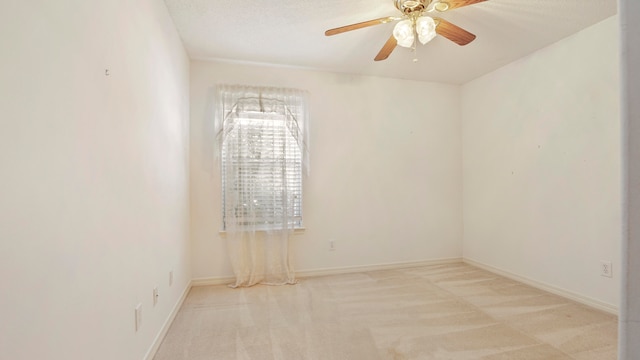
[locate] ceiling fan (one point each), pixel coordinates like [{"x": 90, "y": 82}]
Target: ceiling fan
[{"x": 415, "y": 21}]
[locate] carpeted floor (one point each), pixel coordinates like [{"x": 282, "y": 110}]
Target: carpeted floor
[{"x": 453, "y": 312}]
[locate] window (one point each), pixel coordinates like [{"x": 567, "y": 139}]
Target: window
[
  {"x": 262, "y": 165},
  {"x": 262, "y": 162}
]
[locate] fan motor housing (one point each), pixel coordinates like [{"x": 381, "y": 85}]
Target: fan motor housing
[{"x": 409, "y": 6}]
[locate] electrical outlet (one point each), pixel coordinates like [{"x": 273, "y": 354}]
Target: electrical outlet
[
  {"x": 606, "y": 269},
  {"x": 332, "y": 244},
  {"x": 138, "y": 314},
  {"x": 170, "y": 277},
  {"x": 155, "y": 296}
]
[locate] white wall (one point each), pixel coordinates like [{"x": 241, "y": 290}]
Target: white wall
[
  {"x": 385, "y": 177},
  {"x": 541, "y": 165},
  {"x": 93, "y": 176}
]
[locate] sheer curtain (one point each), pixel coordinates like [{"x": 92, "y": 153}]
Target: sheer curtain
[{"x": 262, "y": 142}]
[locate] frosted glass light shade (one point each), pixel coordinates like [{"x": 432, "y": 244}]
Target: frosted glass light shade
[
  {"x": 403, "y": 33},
  {"x": 426, "y": 29}
]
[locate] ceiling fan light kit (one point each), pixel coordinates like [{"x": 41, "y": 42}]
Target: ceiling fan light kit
[
  {"x": 423, "y": 26},
  {"x": 415, "y": 22}
]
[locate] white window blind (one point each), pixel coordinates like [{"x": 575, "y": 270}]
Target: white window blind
[{"x": 261, "y": 173}]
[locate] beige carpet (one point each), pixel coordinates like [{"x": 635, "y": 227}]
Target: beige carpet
[{"x": 452, "y": 312}]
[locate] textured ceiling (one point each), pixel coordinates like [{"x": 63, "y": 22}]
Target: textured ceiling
[{"x": 291, "y": 33}]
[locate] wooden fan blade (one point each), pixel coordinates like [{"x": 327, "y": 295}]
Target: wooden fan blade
[
  {"x": 360, "y": 25},
  {"x": 454, "y": 33},
  {"x": 454, "y": 4},
  {"x": 386, "y": 49}
]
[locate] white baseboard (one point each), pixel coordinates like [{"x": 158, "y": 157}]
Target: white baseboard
[
  {"x": 609, "y": 308},
  {"x": 214, "y": 280},
  {"x": 377, "y": 267},
  {"x": 165, "y": 327},
  {"x": 223, "y": 280}
]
